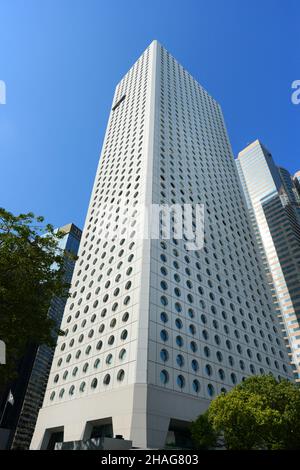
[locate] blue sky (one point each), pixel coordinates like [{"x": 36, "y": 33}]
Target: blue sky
[{"x": 61, "y": 59}]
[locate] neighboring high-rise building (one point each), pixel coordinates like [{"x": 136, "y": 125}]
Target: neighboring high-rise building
[
  {"x": 296, "y": 180},
  {"x": 154, "y": 330},
  {"x": 273, "y": 203},
  {"x": 289, "y": 186},
  {"x": 29, "y": 388}
]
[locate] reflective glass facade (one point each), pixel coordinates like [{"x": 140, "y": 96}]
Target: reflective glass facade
[{"x": 273, "y": 203}]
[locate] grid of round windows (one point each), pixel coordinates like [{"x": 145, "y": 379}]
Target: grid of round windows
[{"x": 214, "y": 297}]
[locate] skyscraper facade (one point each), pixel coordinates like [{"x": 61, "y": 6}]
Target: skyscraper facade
[
  {"x": 296, "y": 181},
  {"x": 273, "y": 202},
  {"x": 29, "y": 387},
  {"x": 154, "y": 330},
  {"x": 289, "y": 187}
]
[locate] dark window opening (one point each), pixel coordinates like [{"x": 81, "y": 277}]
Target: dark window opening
[
  {"x": 55, "y": 438},
  {"x": 102, "y": 431},
  {"x": 118, "y": 102}
]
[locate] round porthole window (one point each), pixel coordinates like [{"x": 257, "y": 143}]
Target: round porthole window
[
  {"x": 121, "y": 375},
  {"x": 164, "y": 377},
  {"x": 210, "y": 390},
  {"x": 94, "y": 383},
  {"x": 164, "y": 335},
  {"x": 106, "y": 379},
  {"x": 164, "y": 355},
  {"x": 196, "y": 385},
  {"x": 180, "y": 381},
  {"x": 122, "y": 354}
]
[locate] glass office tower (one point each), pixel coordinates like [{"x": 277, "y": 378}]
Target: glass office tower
[
  {"x": 273, "y": 202},
  {"x": 296, "y": 181},
  {"x": 156, "y": 330}
]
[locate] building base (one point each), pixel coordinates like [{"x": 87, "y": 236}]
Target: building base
[{"x": 148, "y": 416}]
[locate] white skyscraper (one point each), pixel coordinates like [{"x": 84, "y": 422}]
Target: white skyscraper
[{"x": 154, "y": 331}]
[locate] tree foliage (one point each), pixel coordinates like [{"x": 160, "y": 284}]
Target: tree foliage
[
  {"x": 31, "y": 273},
  {"x": 259, "y": 413},
  {"x": 203, "y": 433}
]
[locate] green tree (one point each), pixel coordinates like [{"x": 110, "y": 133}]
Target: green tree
[
  {"x": 203, "y": 433},
  {"x": 259, "y": 413},
  {"x": 31, "y": 273}
]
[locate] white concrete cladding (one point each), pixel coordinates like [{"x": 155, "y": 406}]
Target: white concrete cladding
[{"x": 155, "y": 331}]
